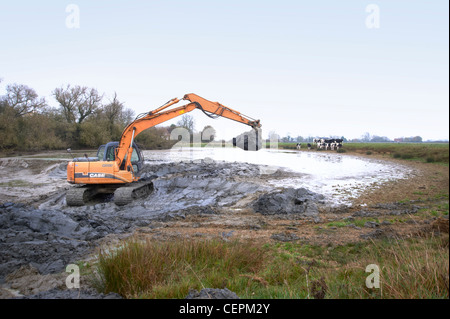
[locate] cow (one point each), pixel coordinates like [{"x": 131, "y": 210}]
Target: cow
[
  {"x": 309, "y": 146},
  {"x": 328, "y": 143},
  {"x": 321, "y": 145},
  {"x": 299, "y": 146}
]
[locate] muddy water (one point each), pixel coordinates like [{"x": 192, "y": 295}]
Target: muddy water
[{"x": 338, "y": 177}]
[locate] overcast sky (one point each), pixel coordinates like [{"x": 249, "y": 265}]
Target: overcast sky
[{"x": 317, "y": 68}]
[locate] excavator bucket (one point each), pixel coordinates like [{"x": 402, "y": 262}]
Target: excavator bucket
[{"x": 249, "y": 141}]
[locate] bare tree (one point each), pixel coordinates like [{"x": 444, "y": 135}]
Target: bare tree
[
  {"x": 187, "y": 121},
  {"x": 126, "y": 116},
  {"x": 22, "y": 99},
  {"x": 113, "y": 111},
  {"x": 91, "y": 104},
  {"x": 77, "y": 102},
  {"x": 366, "y": 137}
]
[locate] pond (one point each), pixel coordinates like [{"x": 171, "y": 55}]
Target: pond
[{"x": 339, "y": 177}]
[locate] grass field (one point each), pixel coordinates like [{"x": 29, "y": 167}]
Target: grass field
[
  {"x": 425, "y": 152},
  {"x": 412, "y": 268}
]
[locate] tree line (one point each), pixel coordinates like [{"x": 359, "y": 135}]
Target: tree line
[{"x": 83, "y": 118}]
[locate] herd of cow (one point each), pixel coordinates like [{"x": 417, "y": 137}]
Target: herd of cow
[{"x": 324, "y": 144}]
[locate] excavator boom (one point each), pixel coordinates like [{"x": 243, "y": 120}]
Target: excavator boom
[{"x": 160, "y": 115}]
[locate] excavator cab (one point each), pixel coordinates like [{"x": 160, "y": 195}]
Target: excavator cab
[{"x": 107, "y": 153}]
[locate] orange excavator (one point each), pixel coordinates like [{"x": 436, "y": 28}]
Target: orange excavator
[{"x": 116, "y": 168}]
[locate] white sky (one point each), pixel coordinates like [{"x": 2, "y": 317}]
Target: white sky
[{"x": 301, "y": 67}]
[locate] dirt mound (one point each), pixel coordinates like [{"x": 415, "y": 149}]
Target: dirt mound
[
  {"x": 13, "y": 162},
  {"x": 49, "y": 240},
  {"x": 289, "y": 201}
]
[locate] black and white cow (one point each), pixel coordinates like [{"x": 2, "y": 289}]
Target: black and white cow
[
  {"x": 329, "y": 143},
  {"x": 299, "y": 146}
]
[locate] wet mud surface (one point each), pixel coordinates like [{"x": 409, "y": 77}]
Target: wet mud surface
[{"x": 199, "y": 198}]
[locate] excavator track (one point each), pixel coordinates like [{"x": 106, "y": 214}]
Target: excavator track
[
  {"x": 78, "y": 196},
  {"x": 126, "y": 194}
]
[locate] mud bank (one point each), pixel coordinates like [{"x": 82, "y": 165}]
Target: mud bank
[
  {"x": 54, "y": 235},
  {"x": 51, "y": 235}
]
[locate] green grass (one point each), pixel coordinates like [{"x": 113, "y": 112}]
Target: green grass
[
  {"x": 339, "y": 224},
  {"x": 438, "y": 210},
  {"x": 359, "y": 222},
  {"x": 425, "y": 152},
  {"x": 412, "y": 268}
]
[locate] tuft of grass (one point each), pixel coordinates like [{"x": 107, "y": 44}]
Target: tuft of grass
[
  {"x": 168, "y": 270},
  {"x": 417, "y": 268}
]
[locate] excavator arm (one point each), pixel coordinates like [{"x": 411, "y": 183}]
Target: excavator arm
[{"x": 160, "y": 115}]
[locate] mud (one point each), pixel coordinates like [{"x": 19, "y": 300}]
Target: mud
[
  {"x": 54, "y": 235},
  {"x": 289, "y": 201},
  {"x": 44, "y": 233},
  {"x": 40, "y": 235},
  {"x": 211, "y": 293}
]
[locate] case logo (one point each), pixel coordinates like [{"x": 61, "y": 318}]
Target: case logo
[{"x": 96, "y": 175}]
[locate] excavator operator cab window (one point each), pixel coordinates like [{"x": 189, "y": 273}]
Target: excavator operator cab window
[
  {"x": 134, "y": 156},
  {"x": 101, "y": 152},
  {"x": 134, "y": 160},
  {"x": 110, "y": 153}
]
